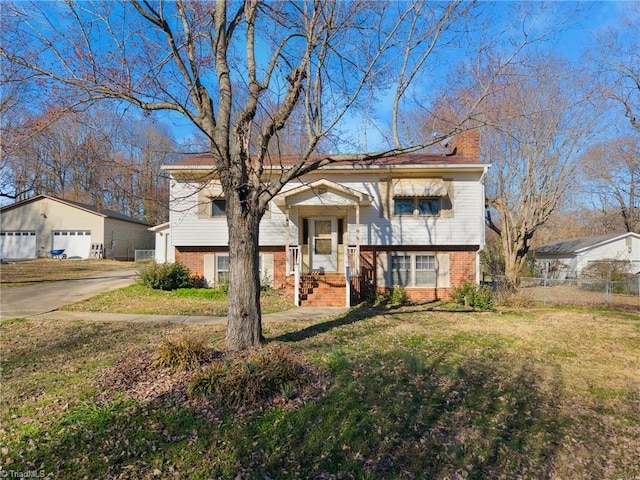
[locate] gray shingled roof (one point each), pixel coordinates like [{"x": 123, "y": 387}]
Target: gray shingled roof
[
  {"x": 109, "y": 213},
  {"x": 84, "y": 206},
  {"x": 572, "y": 245}
]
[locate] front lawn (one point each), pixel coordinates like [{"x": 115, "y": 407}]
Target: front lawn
[
  {"x": 49, "y": 270},
  {"x": 404, "y": 393},
  {"x": 139, "y": 299}
]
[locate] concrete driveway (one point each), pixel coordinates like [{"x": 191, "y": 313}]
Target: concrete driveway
[{"x": 32, "y": 300}]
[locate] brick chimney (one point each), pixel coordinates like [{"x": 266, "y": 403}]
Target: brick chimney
[{"x": 467, "y": 144}]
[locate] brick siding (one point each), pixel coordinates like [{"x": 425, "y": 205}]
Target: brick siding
[{"x": 328, "y": 290}]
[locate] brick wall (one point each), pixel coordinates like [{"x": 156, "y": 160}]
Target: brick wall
[
  {"x": 193, "y": 257},
  {"x": 280, "y": 270},
  {"x": 462, "y": 267},
  {"x": 328, "y": 293}
]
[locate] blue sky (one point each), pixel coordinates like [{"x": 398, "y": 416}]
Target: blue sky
[{"x": 575, "y": 42}]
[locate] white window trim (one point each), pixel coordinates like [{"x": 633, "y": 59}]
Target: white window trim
[
  {"x": 416, "y": 210},
  {"x": 412, "y": 272},
  {"x": 222, "y": 255}
]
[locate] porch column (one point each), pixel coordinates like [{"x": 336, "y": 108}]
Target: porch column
[
  {"x": 286, "y": 243},
  {"x": 357, "y": 232}
]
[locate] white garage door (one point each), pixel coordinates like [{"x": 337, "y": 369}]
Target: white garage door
[
  {"x": 18, "y": 245},
  {"x": 76, "y": 243}
]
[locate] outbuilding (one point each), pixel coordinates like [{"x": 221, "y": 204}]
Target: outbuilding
[
  {"x": 43, "y": 224},
  {"x": 568, "y": 258}
]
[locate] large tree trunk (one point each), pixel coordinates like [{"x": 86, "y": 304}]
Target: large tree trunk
[{"x": 244, "y": 323}]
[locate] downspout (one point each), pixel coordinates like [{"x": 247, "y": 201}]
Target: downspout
[{"x": 483, "y": 236}]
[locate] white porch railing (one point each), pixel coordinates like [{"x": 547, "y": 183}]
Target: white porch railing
[
  {"x": 351, "y": 267},
  {"x": 294, "y": 259},
  {"x": 295, "y": 265}
]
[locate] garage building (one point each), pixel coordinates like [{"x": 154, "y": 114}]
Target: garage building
[{"x": 37, "y": 226}]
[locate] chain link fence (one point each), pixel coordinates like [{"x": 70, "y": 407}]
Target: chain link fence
[
  {"x": 140, "y": 255},
  {"x": 582, "y": 292}
]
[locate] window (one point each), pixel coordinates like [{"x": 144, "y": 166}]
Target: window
[
  {"x": 425, "y": 273},
  {"x": 218, "y": 207},
  {"x": 403, "y": 206},
  {"x": 401, "y": 270},
  {"x": 414, "y": 270},
  {"x": 222, "y": 269},
  {"x": 416, "y": 206},
  {"x": 428, "y": 206}
]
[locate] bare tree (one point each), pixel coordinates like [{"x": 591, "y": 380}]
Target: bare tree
[
  {"x": 619, "y": 61},
  {"x": 612, "y": 173},
  {"x": 535, "y": 129},
  {"x": 239, "y": 70},
  {"x": 94, "y": 156}
]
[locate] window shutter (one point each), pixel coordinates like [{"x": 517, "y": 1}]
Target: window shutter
[
  {"x": 210, "y": 269},
  {"x": 385, "y": 197},
  {"x": 204, "y": 205},
  {"x": 446, "y": 205},
  {"x": 383, "y": 270},
  {"x": 443, "y": 270}
]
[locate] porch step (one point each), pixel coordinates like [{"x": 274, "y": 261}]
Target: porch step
[{"x": 323, "y": 290}]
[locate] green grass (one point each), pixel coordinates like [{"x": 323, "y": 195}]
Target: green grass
[
  {"x": 405, "y": 393},
  {"x": 139, "y": 299}
]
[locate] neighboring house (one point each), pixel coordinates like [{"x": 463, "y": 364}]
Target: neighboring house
[
  {"x": 34, "y": 227},
  {"x": 164, "y": 251},
  {"x": 415, "y": 220},
  {"x": 568, "y": 258}
]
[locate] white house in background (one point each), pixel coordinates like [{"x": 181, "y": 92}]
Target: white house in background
[
  {"x": 349, "y": 229},
  {"x": 164, "y": 251},
  {"x": 34, "y": 227},
  {"x": 568, "y": 258}
]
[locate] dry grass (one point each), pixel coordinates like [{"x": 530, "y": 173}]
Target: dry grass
[
  {"x": 541, "y": 393},
  {"x": 48, "y": 270},
  {"x": 183, "y": 353}
]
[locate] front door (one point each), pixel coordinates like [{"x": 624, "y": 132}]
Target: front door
[{"x": 323, "y": 236}]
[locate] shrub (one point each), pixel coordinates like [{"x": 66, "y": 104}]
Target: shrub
[
  {"x": 473, "y": 296},
  {"x": 265, "y": 283},
  {"x": 249, "y": 380},
  {"x": 185, "y": 353},
  {"x": 398, "y": 296},
  {"x": 508, "y": 294},
  {"x": 167, "y": 276}
]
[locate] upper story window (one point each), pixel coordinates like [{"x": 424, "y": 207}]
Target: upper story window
[
  {"x": 416, "y": 206},
  {"x": 218, "y": 207}
]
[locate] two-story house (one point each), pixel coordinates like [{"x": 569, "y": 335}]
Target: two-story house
[{"x": 347, "y": 230}]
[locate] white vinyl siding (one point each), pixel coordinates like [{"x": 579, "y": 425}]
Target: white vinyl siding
[{"x": 460, "y": 224}]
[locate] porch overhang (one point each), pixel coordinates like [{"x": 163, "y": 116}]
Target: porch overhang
[{"x": 322, "y": 193}]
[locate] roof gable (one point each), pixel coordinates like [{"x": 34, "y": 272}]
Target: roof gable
[
  {"x": 82, "y": 206},
  {"x": 322, "y": 192},
  {"x": 581, "y": 244}
]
